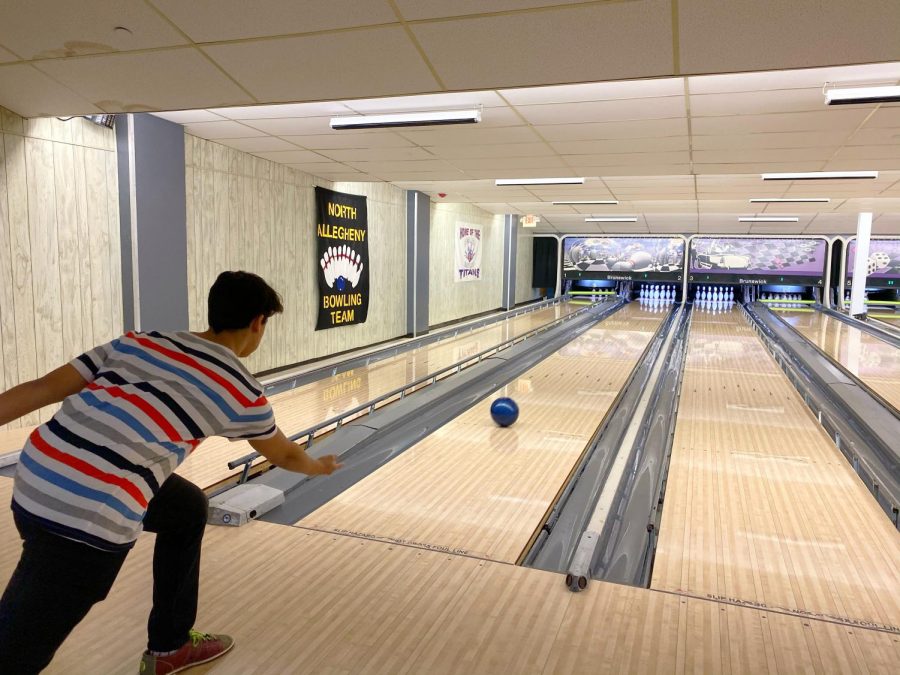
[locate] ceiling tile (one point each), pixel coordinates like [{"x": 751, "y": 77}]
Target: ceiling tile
[
  {"x": 653, "y": 145},
  {"x": 37, "y": 95},
  {"x": 349, "y": 139},
  {"x": 806, "y": 78},
  {"x": 476, "y": 151},
  {"x": 295, "y": 156},
  {"x": 427, "y": 165},
  {"x": 758, "y": 168},
  {"x": 825, "y": 120},
  {"x": 400, "y": 175},
  {"x": 413, "y": 10},
  {"x": 455, "y": 135},
  {"x": 629, "y": 159},
  {"x": 847, "y": 164},
  {"x": 451, "y": 101},
  {"x": 215, "y": 20},
  {"x": 762, "y": 156},
  {"x": 221, "y": 129},
  {"x": 318, "y": 67},
  {"x": 629, "y": 170},
  {"x": 7, "y": 56},
  {"x": 294, "y": 126},
  {"x": 796, "y": 139},
  {"x": 595, "y": 91},
  {"x": 189, "y": 116},
  {"x": 283, "y": 110},
  {"x": 614, "y": 130},
  {"x": 45, "y": 29},
  {"x": 880, "y": 136},
  {"x": 255, "y": 145},
  {"x": 736, "y": 35},
  {"x": 887, "y": 116},
  {"x": 604, "y": 111},
  {"x": 349, "y": 177},
  {"x": 757, "y": 102},
  {"x": 521, "y": 173},
  {"x": 550, "y": 163},
  {"x": 627, "y": 39},
  {"x": 163, "y": 80},
  {"x": 870, "y": 152},
  {"x": 377, "y": 154}
]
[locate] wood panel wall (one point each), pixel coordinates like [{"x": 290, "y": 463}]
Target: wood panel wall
[
  {"x": 247, "y": 213},
  {"x": 60, "y": 259},
  {"x": 448, "y": 298}
]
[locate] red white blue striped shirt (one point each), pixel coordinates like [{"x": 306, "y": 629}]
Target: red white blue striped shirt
[{"x": 151, "y": 398}]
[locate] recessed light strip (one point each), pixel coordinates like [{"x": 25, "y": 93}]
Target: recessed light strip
[
  {"x": 416, "y": 119},
  {"x": 611, "y": 219},
  {"x": 820, "y": 175},
  {"x": 848, "y": 96},
  {"x": 601, "y": 201},
  {"x": 769, "y": 219},
  {"x": 790, "y": 200},
  {"x": 539, "y": 181}
]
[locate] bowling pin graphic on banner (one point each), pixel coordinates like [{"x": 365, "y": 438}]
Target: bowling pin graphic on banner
[{"x": 342, "y": 236}]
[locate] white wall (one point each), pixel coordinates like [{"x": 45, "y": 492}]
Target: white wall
[
  {"x": 60, "y": 258},
  {"x": 448, "y": 298},
  {"x": 247, "y": 213}
]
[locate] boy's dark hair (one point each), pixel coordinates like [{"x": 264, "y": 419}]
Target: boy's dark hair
[{"x": 236, "y": 298}]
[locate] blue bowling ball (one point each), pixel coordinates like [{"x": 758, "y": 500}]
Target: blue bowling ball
[{"x": 504, "y": 411}]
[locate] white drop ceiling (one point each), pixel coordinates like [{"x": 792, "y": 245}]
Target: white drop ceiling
[
  {"x": 680, "y": 149},
  {"x": 681, "y": 154}
]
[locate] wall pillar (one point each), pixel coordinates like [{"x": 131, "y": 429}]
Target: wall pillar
[
  {"x": 510, "y": 249},
  {"x": 153, "y": 222},
  {"x": 418, "y": 232}
]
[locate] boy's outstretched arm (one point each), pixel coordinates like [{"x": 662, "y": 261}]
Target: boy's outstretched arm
[
  {"x": 29, "y": 396},
  {"x": 290, "y": 456}
]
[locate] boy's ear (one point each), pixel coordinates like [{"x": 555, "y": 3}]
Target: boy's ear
[{"x": 257, "y": 324}]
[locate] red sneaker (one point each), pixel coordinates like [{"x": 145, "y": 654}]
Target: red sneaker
[{"x": 202, "y": 647}]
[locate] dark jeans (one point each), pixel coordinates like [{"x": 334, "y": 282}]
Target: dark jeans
[{"x": 58, "y": 580}]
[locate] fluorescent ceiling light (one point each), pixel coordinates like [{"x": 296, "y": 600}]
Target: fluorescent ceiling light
[
  {"x": 886, "y": 94},
  {"x": 601, "y": 201},
  {"x": 819, "y": 175},
  {"x": 769, "y": 219},
  {"x": 611, "y": 219},
  {"x": 418, "y": 119},
  {"x": 790, "y": 200},
  {"x": 539, "y": 181}
]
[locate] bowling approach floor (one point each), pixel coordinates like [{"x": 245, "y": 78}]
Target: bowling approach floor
[
  {"x": 772, "y": 558},
  {"x": 873, "y": 361},
  {"x": 301, "y": 408}
]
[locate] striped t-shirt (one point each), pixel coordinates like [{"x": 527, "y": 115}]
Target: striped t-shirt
[{"x": 151, "y": 398}]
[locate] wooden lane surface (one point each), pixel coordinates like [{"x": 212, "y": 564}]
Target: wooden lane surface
[
  {"x": 332, "y": 604},
  {"x": 302, "y": 407},
  {"x": 873, "y": 361},
  {"x": 760, "y": 506},
  {"x": 474, "y": 488}
]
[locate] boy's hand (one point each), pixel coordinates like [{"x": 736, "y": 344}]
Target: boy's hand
[{"x": 329, "y": 465}]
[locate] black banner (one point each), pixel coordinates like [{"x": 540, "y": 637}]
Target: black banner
[{"x": 342, "y": 244}]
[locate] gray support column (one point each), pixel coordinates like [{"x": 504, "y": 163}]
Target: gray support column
[
  {"x": 418, "y": 232},
  {"x": 510, "y": 249},
  {"x": 153, "y": 222}
]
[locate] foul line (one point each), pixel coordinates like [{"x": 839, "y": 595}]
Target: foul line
[{"x": 795, "y": 613}]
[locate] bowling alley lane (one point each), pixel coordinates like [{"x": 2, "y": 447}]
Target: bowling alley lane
[
  {"x": 872, "y": 360},
  {"x": 474, "y": 488},
  {"x": 760, "y": 506},
  {"x": 301, "y": 408}
]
